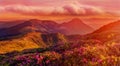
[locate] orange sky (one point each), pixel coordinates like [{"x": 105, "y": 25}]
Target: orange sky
[{"x": 58, "y": 9}]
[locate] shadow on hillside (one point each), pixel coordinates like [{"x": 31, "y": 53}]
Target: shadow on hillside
[{"x": 26, "y": 51}]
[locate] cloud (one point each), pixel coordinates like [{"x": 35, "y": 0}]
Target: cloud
[
  {"x": 74, "y": 9},
  {"x": 83, "y": 10},
  {"x": 71, "y": 9},
  {"x": 22, "y": 9}
]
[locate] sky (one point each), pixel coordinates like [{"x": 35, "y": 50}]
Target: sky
[{"x": 54, "y": 9}]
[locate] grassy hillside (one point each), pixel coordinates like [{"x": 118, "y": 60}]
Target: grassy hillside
[{"x": 30, "y": 41}]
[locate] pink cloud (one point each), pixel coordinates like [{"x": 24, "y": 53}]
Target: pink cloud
[
  {"x": 71, "y": 9},
  {"x": 83, "y": 9},
  {"x": 107, "y": 5}
]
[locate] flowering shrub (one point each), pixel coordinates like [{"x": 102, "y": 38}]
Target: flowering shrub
[{"x": 70, "y": 55}]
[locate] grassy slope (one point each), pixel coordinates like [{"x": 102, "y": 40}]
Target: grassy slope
[{"x": 21, "y": 43}]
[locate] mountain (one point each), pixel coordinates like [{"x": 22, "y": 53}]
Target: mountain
[
  {"x": 33, "y": 25},
  {"x": 76, "y": 26},
  {"x": 109, "y": 32},
  {"x": 112, "y": 27},
  {"x": 31, "y": 40},
  {"x": 96, "y": 23},
  {"x": 30, "y": 34},
  {"x": 7, "y": 24}
]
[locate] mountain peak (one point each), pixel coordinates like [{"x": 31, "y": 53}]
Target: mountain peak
[
  {"x": 76, "y": 20},
  {"x": 77, "y": 26},
  {"x": 33, "y": 20}
]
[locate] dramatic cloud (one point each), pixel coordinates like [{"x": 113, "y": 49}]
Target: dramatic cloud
[
  {"x": 59, "y": 5},
  {"x": 83, "y": 10},
  {"x": 71, "y": 9}
]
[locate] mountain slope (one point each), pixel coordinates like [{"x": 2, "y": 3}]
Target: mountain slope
[
  {"x": 109, "y": 32},
  {"x": 43, "y": 26},
  {"x": 76, "y": 26},
  {"x": 7, "y": 24},
  {"x": 31, "y": 40},
  {"x": 112, "y": 27}
]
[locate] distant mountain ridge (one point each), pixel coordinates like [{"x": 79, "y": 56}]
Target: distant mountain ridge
[
  {"x": 7, "y": 24},
  {"x": 112, "y": 27},
  {"x": 77, "y": 26},
  {"x": 31, "y": 26},
  {"x": 107, "y": 33}
]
